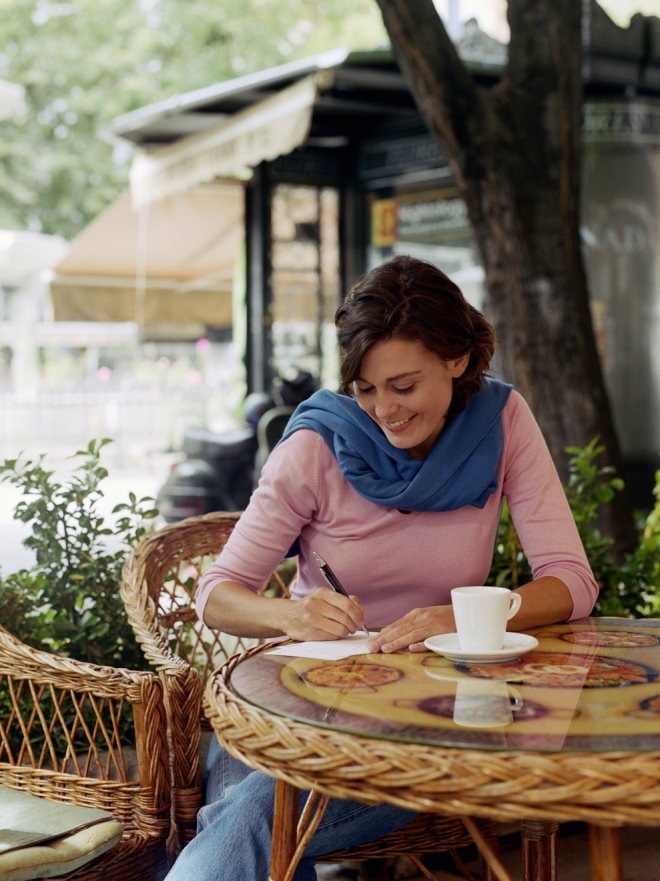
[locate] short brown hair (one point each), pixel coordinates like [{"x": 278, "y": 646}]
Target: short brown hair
[{"x": 412, "y": 299}]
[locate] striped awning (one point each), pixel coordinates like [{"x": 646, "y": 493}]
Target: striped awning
[{"x": 273, "y": 127}]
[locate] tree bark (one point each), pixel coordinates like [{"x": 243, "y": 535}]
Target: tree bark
[{"x": 515, "y": 155}]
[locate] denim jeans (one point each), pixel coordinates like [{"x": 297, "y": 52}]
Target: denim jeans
[{"x": 233, "y": 840}]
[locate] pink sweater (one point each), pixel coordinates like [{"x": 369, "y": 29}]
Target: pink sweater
[{"x": 395, "y": 562}]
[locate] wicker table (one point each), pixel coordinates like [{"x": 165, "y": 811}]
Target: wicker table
[{"x": 582, "y": 741}]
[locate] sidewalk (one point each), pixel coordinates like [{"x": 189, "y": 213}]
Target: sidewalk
[{"x": 641, "y": 858}]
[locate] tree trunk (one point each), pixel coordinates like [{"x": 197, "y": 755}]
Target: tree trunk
[{"x": 515, "y": 154}]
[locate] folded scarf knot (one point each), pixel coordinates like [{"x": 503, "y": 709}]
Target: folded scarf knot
[{"x": 460, "y": 470}]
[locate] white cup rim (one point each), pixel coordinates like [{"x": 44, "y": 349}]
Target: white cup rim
[{"x": 486, "y": 588}]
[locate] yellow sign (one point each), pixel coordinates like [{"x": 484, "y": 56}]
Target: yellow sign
[{"x": 384, "y": 223}]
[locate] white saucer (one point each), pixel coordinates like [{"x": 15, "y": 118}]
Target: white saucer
[{"x": 515, "y": 644}]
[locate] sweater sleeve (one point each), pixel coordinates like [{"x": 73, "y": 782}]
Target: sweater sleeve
[
  {"x": 282, "y": 504},
  {"x": 540, "y": 510}
]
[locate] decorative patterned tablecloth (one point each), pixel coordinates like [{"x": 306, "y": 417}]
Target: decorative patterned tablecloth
[{"x": 590, "y": 685}]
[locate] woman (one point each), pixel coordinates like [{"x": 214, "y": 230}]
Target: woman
[{"x": 399, "y": 485}]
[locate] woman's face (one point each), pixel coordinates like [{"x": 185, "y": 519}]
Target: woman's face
[{"x": 406, "y": 389}]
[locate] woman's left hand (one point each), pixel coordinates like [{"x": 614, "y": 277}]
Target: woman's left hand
[{"x": 410, "y": 631}]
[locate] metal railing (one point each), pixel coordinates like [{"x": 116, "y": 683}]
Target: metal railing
[{"x": 58, "y": 423}]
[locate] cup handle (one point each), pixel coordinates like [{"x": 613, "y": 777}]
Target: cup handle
[
  {"x": 515, "y": 697},
  {"x": 516, "y": 600}
]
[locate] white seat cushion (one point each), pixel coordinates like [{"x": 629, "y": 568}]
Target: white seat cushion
[{"x": 61, "y": 855}]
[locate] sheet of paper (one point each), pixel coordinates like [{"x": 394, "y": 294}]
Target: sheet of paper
[{"x": 327, "y": 649}]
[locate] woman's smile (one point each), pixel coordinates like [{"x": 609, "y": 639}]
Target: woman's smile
[{"x": 397, "y": 426}]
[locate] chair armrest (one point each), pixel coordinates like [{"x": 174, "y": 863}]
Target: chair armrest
[{"x": 145, "y": 573}]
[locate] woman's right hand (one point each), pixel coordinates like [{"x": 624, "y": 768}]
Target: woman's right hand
[{"x": 322, "y": 614}]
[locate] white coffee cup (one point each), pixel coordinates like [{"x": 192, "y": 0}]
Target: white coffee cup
[
  {"x": 485, "y": 703},
  {"x": 481, "y": 614}
]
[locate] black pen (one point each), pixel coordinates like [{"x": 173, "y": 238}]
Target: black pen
[{"x": 333, "y": 581}]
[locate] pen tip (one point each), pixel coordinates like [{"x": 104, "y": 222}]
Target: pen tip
[{"x": 319, "y": 559}]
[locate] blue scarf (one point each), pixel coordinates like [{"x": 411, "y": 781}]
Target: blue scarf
[{"x": 460, "y": 470}]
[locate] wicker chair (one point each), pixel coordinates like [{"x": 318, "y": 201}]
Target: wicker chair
[
  {"x": 158, "y": 589},
  {"x": 64, "y": 726}
]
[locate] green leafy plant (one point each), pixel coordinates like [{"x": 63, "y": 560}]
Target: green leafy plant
[
  {"x": 590, "y": 486},
  {"x": 69, "y": 601},
  {"x": 509, "y": 567},
  {"x": 633, "y": 589}
]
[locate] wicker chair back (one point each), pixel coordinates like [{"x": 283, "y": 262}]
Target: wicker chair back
[{"x": 159, "y": 585}]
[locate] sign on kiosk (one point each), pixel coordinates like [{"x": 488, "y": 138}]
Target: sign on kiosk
[
  {"x": 424, "y": 217},
  {"x": 384, "y": 223}
]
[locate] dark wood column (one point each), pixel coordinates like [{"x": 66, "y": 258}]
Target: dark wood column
[
  {"x": 352, "y": 244},
  {"x": 259, "y": 294}
]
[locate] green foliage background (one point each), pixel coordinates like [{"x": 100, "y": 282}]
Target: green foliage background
[
  {"x": 85, "y": 62},
  {"x": 69, "y": 601}
]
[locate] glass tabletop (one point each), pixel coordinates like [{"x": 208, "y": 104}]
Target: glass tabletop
[{"x": 589, "y": 685}]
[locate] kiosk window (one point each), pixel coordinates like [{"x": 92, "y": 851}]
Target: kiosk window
[
  {"x": 431, "y": 225},
  {"x": 305, "y": 280}
]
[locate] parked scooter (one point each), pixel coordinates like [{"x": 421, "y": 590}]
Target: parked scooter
[{"x": 221, "y": 469}]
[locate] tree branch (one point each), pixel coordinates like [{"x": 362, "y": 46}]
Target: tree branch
[{"x": 445, "y": 93}]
